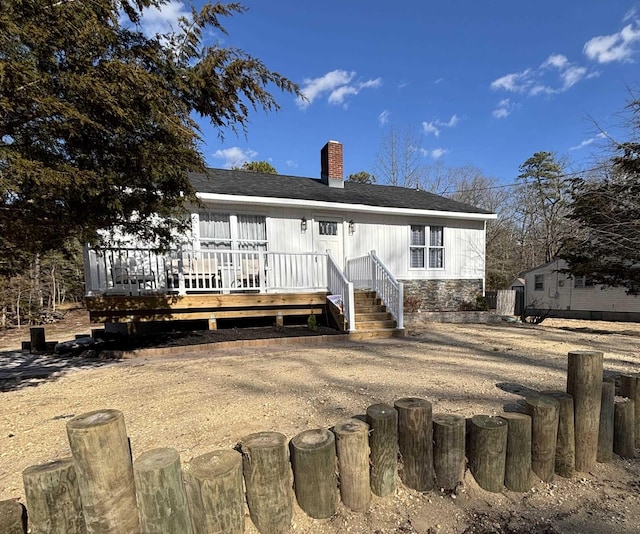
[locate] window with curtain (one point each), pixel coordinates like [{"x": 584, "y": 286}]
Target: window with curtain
[
  {"x": 222, "y": 231},
  {"x": 215, "y": 230},
  {"x": 426, "y": 247}
]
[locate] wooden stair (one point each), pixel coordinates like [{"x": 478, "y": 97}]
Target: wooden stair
[{"x": 372, "y": 318}]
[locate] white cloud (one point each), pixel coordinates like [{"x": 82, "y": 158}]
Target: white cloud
[
  {"x": 234, "y": 156},
  {"x": 437, "y": 153},
  {"x": 589, "y": 141},
  {"x": 434, "y": 127},
  {"x": 163, "y": 19},
  {"x": 337, "y": 84},
  {"x": 556, "y": 74},
  {"x": 383, "y": 118},
  {"x": 291, "y": 163},
  {"x": 618, "y": 46},
  {"x": 504, "y": 108}
]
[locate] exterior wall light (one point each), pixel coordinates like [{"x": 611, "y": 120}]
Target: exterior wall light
[
  {"x": 303, "y": 224},
  {"x": 352, "y": 227}
]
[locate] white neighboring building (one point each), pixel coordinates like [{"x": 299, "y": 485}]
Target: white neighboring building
[{"x": 562, "y": 295}]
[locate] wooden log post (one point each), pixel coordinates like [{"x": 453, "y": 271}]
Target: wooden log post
[
  {"x": 162, "y": 499},
  {"x": 487, "y": 451},
  {"x": 630, "y": 387},
  {"x": 313, "y": 459},
  {"x": 215, "y": 493},
  {"x": 544, "y": 412},
  {"x": 267, "y": 476},
  {"x": 584, "y": 383},
  {"x": 102, "y": 460},
  {"x": 38, "y": 339},
  {"x": 517, "y": 471},
  {"x": 13, "y": 517},
  {"x": 566, "y": 440},
  {"x": 53, "y": 498},
  {"x": 448, "y": 450},
  {"x": 624, "y": 427},
  {"x": 605, "y": 430},
  {"x": 383, "y": 442},
  {"x": 352, "y": 447},
  {"x": 415, "y": 442}
]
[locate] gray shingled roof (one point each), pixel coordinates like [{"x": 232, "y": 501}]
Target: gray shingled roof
[{"x": 226, "y": 182}]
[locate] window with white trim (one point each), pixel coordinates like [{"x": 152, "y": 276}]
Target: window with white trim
[
  {"x": 223, "y": 231},
  {"x": 426, "y": 247},
  {"x": 581, "y": 282},
  {"x": 327, "y": 227},
  {"x": 538, "y": 282}
]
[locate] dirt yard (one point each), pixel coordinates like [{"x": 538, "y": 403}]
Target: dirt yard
[{"x": 208, "y": 400}]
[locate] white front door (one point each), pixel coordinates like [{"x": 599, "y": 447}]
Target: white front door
[{"x": 327, "y": 235}]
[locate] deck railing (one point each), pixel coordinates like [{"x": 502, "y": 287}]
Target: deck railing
[
  {"x": 338, "y": 284},
  {"x": 135, "y": 271},
  {"x": 368, "y": 272}
]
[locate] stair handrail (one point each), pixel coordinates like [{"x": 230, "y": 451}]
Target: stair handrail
[
  {"x": 338, "y": 284},
  {"x": 390, "y": 291}
]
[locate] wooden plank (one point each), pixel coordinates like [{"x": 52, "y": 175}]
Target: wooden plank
[
  {"x": 171, "y": 302},
  {"x": 175, "y": 315}
]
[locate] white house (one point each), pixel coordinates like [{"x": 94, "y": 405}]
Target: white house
[
  {"x": 559, "y": 294},
  {"x": 275, "y": 234}
]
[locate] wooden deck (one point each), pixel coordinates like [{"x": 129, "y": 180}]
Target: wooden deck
[{"x": 128, "y": 309}]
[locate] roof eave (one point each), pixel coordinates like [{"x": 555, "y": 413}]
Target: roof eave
[{"x": 360, "y": 208}]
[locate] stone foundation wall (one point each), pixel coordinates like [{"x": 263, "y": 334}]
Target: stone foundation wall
[{"x": 440, "y": 295}]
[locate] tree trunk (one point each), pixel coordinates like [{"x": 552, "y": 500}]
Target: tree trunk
[
  {"x": 352, "y": 446},
  {"x": 102, "y": 460},
  {"x": 13, "y": 517},
  {"x": 267, "y": 476},
  {"x": 487, "y": 451},
  {"x": 215, "y": 493},
  {"x": 605, "y": 431},
  {"x": 53, "y": 498},
  {"x": 544, "y": 413},
  {"x": 584, "y": 383},
  {"x": 624, "y": 427},
  {"x": 448, "y": 450},
  {"x": 383, "y": 441},
  {"x": 313, "y": 459},
  {"x": 162, "y": 500},
  {"x": 517, "y": 473},
  {"x": 566, "y": 441},
  {"x": 415, "y": 441}
]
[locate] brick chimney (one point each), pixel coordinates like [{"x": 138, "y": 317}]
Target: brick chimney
[{"x": 331, "y": 170}]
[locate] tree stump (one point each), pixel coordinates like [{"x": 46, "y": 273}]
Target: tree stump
[
  {"x": 605, "y": 430},
  {"x": 517, "y": 473},
  {"x": 215, "y": 493},
  {"x": 313, "y": 459},
  {"x": 267, "y": 477},
  {"x": 448, "y": 450},
  {"x": 13, "y": 517},
  {"x": 38, "y": 339},
  {"x": 584, "y": 383},
  {"x": 102, "y": 460},
  {"x": 630, "y": 387},
  {"x": 352, "y": 446},
  {"x": 415, "y": 442},
  {"x": 53, "y": 498},
  {"x": 383, "y": 442},
  {"x": 624, "y": 427},
  {"x": 162, "y": 499},
  {"x": 544, "y": 413},
  {"x": 566, "y": 441},
  {"x": 487, "y": 451}
]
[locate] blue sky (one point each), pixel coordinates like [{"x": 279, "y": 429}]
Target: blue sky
[{"x": 485, "y": 83}]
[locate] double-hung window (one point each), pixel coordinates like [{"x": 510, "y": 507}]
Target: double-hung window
[
  {"x": 223, "y": 231},
  {"x": 427, "y": 247}
]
